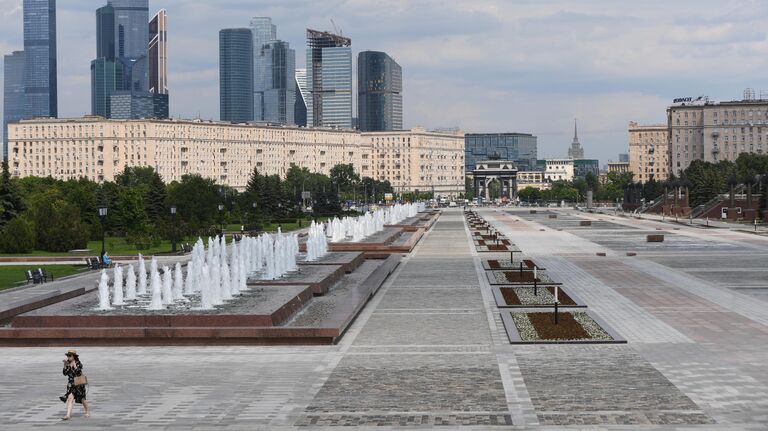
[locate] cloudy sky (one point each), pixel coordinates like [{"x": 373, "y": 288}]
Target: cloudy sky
[{"x": 482, "y": 65}]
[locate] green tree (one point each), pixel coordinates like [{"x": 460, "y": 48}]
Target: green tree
[
  {"x": 57, "y": 224},
  {"x": 344, "y": 176},
  {"x": 155, "y": 199},
  {"x": 529, "y": 194},
  {"x": 18, "y": 236},
  {"x": 10, "y": 200}
]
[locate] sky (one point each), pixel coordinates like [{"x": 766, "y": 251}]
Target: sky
[{"x": 529, "y": 66}]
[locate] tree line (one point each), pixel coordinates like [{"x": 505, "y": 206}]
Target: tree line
[{"x": 54, "y": 215}]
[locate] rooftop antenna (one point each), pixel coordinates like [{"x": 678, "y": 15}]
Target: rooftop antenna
[{"x": 749, "y": 94}]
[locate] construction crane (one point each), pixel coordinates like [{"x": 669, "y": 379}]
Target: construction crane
[{"x": 336, "y": 30}]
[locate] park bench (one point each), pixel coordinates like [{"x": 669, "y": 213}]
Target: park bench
[
  {"x": 33, "y": 277},
  {"x": 44, "y": 276}
]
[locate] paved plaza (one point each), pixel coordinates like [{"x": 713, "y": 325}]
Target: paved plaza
[{"x": 430, "y": 349}]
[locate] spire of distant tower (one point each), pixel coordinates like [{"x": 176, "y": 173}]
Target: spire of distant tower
[{"x": 575, "y": 131}]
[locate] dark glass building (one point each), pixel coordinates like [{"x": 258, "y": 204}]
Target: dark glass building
[
  {"x": 122, "y": 61},
  {"x": 379, "y": 92},
  {"x": 236, "y": 75},
  {"x": 279, "y": 85},
  {"x": 518, "y": 147},
  {"x": 581, "y": 167},
  {"x": 40, "y": 84},
  {"x": 300, "y": 106},
  {"x": 13, "y": 93}
]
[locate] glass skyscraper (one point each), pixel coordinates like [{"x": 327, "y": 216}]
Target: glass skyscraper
[
  {"x": 124, "y": 39},
  {"x": 518, "y": 147},
  {"x": 263, "y": 32},
  {"x": 379, "y": 92},
  {"x": 13, "y": 93},
  {"x": 300, "y": 107},
  {"x": 40, "y": 84},
  {"x": 236, "y": 75},
  {"x": 329, "y": 80},
  {"x": 279, "y": 85}
]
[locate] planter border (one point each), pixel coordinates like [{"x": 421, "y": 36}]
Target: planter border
[
  {"x": 514, "y": 335},
  {"x": 500, "y": 303}
]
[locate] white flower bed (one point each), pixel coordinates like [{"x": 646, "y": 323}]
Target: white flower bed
[{"x": 502, "y": 278}]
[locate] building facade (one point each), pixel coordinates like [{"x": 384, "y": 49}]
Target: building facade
[
  {"x": 329, "y": 80},
  {"x": 558, "y": 170},
  {"x": 263, "y": 32},
  {"x": 618, "y": 167},
  {"x": 648, "y": 152},
  {"x": 582, "y": 167},
  {"x": 714, "y": 132},
  {"x": 520, "y": 148},
  {"x": 417, "y": 160},
  {"x": 13, "y": 93},
  {"x": 534, "y": 179},
  {"x": 40, "y": 66},
  {"x": 379, "y": 92},
  {"x": 98, "y": 149},
  {"x": 236, "y": 75},
  {"x": 158, "y": 53}
]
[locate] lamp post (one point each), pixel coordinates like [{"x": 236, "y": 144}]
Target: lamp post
[
  {"x": 103, "y": 219},
  {"x": 221, "y": 218},
  {"x": 173, "y": 233}
]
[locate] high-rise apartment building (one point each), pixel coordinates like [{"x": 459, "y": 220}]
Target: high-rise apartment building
[
  {"x": 710, "y": 131},
  {"x": 40, "y": 76},
  {"x": 329, "y": 80},
  {"x": 300, "y": 105},
  {"x": 576, "y": 151},
  {"x": 158, "y": 53},
  {"x": 379, "y": 92},
  {"x": 236, "y": 75},
  {"x": 648, "y": 152},
  {"x": 13, "y": 93},
  {"x": 520, "y": 148}
]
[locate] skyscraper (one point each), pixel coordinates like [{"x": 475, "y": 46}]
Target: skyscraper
[
  {"x": 158, "y": 54},
  {"x": 124, "y": 39},
  {"x": 236, "y": 75},
  {"x": 279, "y": 85},
  {"x": 329, "y": 80},
  {"x": 13, "y": 93},
  {"x": 300, "y": 106},
  {"x": 575, "y": 151},
  {"x": 379, "y": 92},
  {"x": 40, "y": 82},
  {"x": 263, "y": 32}
]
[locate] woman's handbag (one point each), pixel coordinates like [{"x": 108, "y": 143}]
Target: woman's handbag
[{"x": 81, "y": 380}]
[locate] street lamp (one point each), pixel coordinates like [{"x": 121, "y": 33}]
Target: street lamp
[
  {"x": 221, "y": 218},
  {"x": 173, "y": 234},
  {"x": 103, "y": 219}
]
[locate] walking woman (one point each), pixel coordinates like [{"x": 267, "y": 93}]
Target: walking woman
[{"x": 73, "y": 368}]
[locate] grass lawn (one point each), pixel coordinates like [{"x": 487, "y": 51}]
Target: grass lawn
[{"x": 10, "y": 275}]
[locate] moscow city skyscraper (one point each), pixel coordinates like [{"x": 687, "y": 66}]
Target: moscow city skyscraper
[
  {"x": 379, "y": 92},
  {"x": 40, "y": 88},
  {"x": 329, "y": 80},
  {"x": 274, "y": 63},
  {"x": 30, "y": 86},
  {"x": 120, "y": 74},
  {"x": 236, "y": 75}
]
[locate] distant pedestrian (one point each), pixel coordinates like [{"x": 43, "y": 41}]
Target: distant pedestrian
[{"x": 76, "y": 382}]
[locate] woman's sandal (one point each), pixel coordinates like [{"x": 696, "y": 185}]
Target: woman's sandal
[{"x": 65, "y": 418}]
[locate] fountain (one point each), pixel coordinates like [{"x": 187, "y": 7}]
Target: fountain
[
  {"x": 214, "y": 285},
  {"x": 178, "y": 283},
  {"x": 167, "y": 291},
  {"x": 157, "y": 300},
  {"x": 141, "y": 289},
  {"x": 104, "y": 291},
  {"x": 117, "y": 286},
  {"x": 317, "y": 243},
  {"x": 206, "y": 302},
  {"x": 130, "y": 284}
]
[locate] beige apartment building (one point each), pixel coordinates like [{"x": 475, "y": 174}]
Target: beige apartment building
[
  {"x": 618, "y": 167},
  {"x": 648, "y": 152},
  {"x": 418, "y": 160},
  {"x": 714, "y": 132},
  {"x": 98, "y": 149}
]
